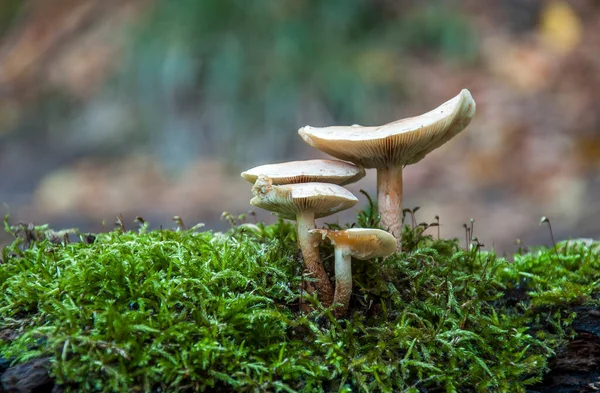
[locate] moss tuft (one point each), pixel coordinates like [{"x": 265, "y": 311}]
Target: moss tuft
[{"x": 183, "y": 310}]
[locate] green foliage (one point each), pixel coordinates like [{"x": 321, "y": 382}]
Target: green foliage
[
  {"x": 439, "y": 29},
  {"x": 10, "y": 10},
  {"x": 259, "y": 61},
  {"x": 369, "y": 216},
  {"x": 200, "y": 311}
]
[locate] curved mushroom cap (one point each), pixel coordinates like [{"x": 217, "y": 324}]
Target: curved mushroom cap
[
  {"x": 325, "y": 171},
  {"x": 402, "y": 142},
  {"x": 361, "y": 243},
  {"x": 323, "y": 199}
]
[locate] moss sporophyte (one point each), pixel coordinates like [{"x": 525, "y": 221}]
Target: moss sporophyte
[{"x": 181, "y": 310}]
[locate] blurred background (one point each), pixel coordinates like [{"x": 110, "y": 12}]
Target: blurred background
[{"x": 154, "y": 107}]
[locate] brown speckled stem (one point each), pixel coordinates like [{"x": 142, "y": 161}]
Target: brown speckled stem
[
  {"x": 389, "y": 200},
  {"x": 309, "y": 245}
]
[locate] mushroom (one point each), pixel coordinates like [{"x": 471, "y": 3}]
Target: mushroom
[
  {"x": 360, "y": 243},
  {"x": 325, "y": 171},
  {"x": 304, "y": 202},
  {"x": 392, "y": 146}
]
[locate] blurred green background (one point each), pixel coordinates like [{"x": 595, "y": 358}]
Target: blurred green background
[{"x": 153, "y": 107}]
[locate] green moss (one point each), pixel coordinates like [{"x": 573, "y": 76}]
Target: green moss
[{"x": 200, "y": 311}]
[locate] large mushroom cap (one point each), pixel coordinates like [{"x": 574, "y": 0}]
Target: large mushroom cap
[
  {"x": 402, "y": 142},
  {"x": 325, "y": 171},
  {"x": 361, "y": 243},
  {"x": 323, "y": 199}
]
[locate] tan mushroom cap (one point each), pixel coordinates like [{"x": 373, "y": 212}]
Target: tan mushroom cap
[
  {"x": 362, "y": 243},
  {"x": 323, "y": 199},
  {"x": 402, "y": 142},
  {"x": 325, "y": 171}
]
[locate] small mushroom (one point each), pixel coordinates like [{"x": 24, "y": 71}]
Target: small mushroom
[
  {"x": 360, "y": 243},
  {"x": 324, "y": 171},
  {"x": 304, "y": 202},
  {"x": 392, "y": 146}
]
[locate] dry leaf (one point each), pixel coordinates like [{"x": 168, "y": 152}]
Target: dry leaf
[{"x": 560, "y": 27}]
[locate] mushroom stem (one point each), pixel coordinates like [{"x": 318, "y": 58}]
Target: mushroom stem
[
  {"x": 389, "y": 199},
  {"x": 312, "y": 260},
  {"x": 343, "y": 281}
]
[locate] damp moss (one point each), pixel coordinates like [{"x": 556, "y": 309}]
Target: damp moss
[{"x": 190, "y": 310}]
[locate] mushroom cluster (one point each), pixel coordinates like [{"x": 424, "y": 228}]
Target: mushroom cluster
[{"x": 305, "y": 190}]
